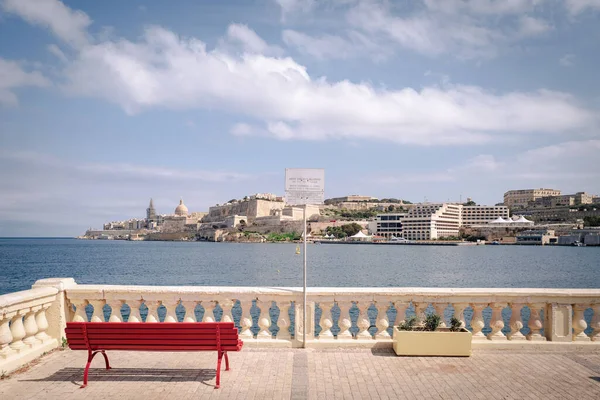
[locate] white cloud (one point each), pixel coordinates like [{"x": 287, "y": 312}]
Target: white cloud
[
  {"x": 568, "y": 60},
  {"x": 578, "y": 6},
  {"x": 13, "y": 76},
  {"x": 564, "y": 165},
  {"x": 354, "y": 44},
  {"x": 250, "y": 42},
  {"x": 290, "y": 6},
  {"x": 163, "y": 70},
  {"x": 529, "y": 26},
  {"x": 65, "y": 23},
  {"x": 482, "y": 7},
  {"x": 427, "y": 33},
  {"x": 56, "y": 51}
]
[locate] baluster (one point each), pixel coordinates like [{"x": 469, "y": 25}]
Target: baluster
[
  {"x": 420, "y": 311},
  {"x": 31, "y": 327},
  {"x": 246, "y": 320},
  {"x": 115, "y": 314},
  {"x": 80, "y": 314},
  {"x": 134, "y": 311},
  {"x": 497, "y": 322},
  {"x": 190, "y": 311},
  {"x": 18, "y": 331},
  {"x": 283, "y": 322},
  {"x": 98, "y": 315},
  {"x": 363, "y": 322},
  {"x": 383, "y": 322},
  {"x": 579, "y": 323},
  {"x": 477, "y": 323},
  {"x": 515, "y": 322},
  {"x": 344, "y": 322},
  {"x": 226, "y": 306},
  {"x": 401, "y": 308},
  {"x": 440, "y": 309},
  {"x": 459, "y": 312},
  {"x": 535, "y": 322},
  {"x": 596, "y": 323},
  {"x": 5, "y": 336},
  {"x": 326, "y": 321},
  {"x": 42, "y": 323},
  {"x": 209, "y": 311},
  {"x": 152, "y": 310},
  {"x": 171, "y": 306},
  {"x": 264, "y": 320}
]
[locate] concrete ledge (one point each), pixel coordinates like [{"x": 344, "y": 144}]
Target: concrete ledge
[{"x": 16, "y": 361}]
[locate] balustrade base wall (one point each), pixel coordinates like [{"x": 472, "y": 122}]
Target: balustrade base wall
[{"x": 25, "y": 355}]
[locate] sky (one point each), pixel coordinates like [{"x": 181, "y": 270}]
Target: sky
[{"x": 104, "y": 105}]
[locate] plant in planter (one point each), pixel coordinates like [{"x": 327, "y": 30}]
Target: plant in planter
[{"x": 412, "y": 338}]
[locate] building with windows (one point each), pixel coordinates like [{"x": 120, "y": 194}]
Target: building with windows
[
  {"x": 434, "y": 221},
  {"x": 481, "y": 215},
  {"x": 387, "y": 225},
  {"x": 522, "y": 198}
]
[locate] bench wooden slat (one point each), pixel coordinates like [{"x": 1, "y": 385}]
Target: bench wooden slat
[
  {"x": 166, "y": 340},
  {"x": 171, "y": 336}
]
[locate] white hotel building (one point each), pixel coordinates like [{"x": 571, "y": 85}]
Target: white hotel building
[{"x": 430, "y": 221}]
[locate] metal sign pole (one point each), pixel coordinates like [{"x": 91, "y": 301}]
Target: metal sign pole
[{"x": 304, "y": 304}]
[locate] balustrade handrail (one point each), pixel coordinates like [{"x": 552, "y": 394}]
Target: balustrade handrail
[
  {"x": 26, "y": 298},
  {"x": 591, "y": 296}
]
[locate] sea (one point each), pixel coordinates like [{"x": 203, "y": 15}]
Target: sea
[{"x": 25, "y": 260}]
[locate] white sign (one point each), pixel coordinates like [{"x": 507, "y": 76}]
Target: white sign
[{"x": 304, "y": 186}]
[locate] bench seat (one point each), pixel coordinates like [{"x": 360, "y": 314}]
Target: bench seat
[{"x": 98, "y": 337}]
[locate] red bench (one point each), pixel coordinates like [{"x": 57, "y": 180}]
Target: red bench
[{"x": 98, "y": 337}]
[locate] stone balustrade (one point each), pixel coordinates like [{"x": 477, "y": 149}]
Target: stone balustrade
[
  {"x": 336, "y": 317},
  {"x": 24, "y": 326}
]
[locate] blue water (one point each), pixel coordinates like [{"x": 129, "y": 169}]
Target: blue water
[{"x": 23, "y": 261}]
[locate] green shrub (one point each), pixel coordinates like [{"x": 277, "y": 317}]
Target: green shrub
[
  {"x": 432, "y": 321},
  {"x": 455, "y": 324},
  {"x": 408, "y": 324}
]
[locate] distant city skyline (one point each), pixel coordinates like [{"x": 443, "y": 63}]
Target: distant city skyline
[{"x": 104, "y": 105}]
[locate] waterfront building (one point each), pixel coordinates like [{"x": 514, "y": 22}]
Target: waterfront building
[
  {"x": 579, "y": 198},
  {"x": 387, "y": 225},
  {"x": 432, "y": 221},
  {"x": 480, "y": 215},
  {"x": 537, "y": 236},
  {"x": 522, "y": 198}
]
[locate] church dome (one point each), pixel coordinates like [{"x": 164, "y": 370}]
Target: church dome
[{"x": 181, "y": 209}]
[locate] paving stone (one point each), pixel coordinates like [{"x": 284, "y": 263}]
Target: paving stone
[{"x": 311, "y": 374}]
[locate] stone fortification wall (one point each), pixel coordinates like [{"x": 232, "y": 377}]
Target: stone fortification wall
[
  {"x": 250, "y": 208},
  {"x": 171, "y": 236},
  {"x": 113, "y": 232}
]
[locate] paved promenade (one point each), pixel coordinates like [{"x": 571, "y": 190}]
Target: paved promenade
[{"x": 312, "y": 374}]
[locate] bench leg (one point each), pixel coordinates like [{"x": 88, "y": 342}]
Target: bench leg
[
  {"x": 226, "y": 362},
  {"x": 218, "y": 385},
  {"x": 89, "y": 362},
  {"x": 106, "y": 359},
  {"x": 87, "y": 369}
]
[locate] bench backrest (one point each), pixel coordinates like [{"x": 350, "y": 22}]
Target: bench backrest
[{"x": 164, "y": 336}]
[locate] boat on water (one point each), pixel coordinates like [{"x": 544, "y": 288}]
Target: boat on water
[{"x": 577, "y": 243}]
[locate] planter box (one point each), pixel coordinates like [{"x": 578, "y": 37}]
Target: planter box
[{"x": 442, "y": 342}]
